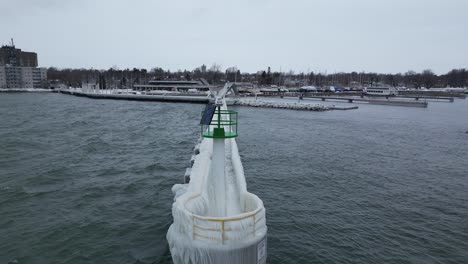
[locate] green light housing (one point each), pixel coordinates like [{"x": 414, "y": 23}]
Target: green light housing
[{"x": 224, "y": 126}]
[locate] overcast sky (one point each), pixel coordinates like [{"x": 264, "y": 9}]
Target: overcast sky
[{"x": 386, "y": 36}]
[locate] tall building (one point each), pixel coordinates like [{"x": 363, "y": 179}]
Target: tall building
[
  {"x": 18, "y": 69},
  {"x": 9, "y": 55}
]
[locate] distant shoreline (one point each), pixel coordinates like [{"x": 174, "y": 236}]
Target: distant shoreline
[{"x": 25, "y": 90}]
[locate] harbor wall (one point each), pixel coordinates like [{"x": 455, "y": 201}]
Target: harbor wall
[
  {"x": 138, "y": 97},
  {"x": 205, "y": 100}
]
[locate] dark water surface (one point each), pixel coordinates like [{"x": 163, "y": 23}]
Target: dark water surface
[{"x": 88, "y": 181}]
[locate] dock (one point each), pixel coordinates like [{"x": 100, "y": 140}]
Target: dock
[
  {"x": 203, "y": 100},
  {"x": 140, "y": 97},
  {"x": 429, "y": 93},
  {"x": 343, "y": 108},
  {"x": 415, "y": 103},
  {"x": 406, "y": 100},
  {"x": 426, "y": 97}
]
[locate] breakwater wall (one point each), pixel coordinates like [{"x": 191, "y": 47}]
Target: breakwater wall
[
  {"x": 205, "y": 100},
  {"x": 432, "y": 93},
  {"x": 139, "y": 97},
  {"x": 392, "y": 102},
  {"x": 292, "y": 106}
]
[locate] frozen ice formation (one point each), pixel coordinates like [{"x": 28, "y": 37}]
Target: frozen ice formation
[{"x": 216, "y": 220}]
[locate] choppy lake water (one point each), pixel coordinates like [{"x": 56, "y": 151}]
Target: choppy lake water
[{"x": 88, "y": 181}]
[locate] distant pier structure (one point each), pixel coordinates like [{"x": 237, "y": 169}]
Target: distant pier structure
[{"x": 176, "y": 86}]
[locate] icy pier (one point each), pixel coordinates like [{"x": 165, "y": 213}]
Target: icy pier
[
  {"x": 202, "y": 100},
  {"x": 139, "y": 97},
  {"x": 393, "y": 102},
  {"x": 216, "y": 220},
  {"x": 292, "y": 106}
]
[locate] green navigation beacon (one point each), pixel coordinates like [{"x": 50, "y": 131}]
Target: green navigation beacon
[{"x": 223, "y": 126}]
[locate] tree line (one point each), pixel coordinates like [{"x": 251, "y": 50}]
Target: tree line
[{"x": 117, "y": 78}]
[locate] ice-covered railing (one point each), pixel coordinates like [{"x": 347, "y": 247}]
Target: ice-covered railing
[{"x": 230, "y": 229}]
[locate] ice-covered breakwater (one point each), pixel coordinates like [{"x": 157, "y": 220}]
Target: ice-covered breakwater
[
  {"x": 216, "y": 220},
  {"x": 137, "y": 97},
  {"x": 282, "y": 105},
  {"x": 202, "y": 100}
]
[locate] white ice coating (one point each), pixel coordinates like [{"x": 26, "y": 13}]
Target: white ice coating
[{"x": 214, "y": 213}]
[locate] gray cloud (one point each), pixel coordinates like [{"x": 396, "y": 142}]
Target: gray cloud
[{"x": 320, "y": 35}]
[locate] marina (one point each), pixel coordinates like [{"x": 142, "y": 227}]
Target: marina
[
  {"x": 419, "y": 100},
  {"x": 394, "y": 102}
]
